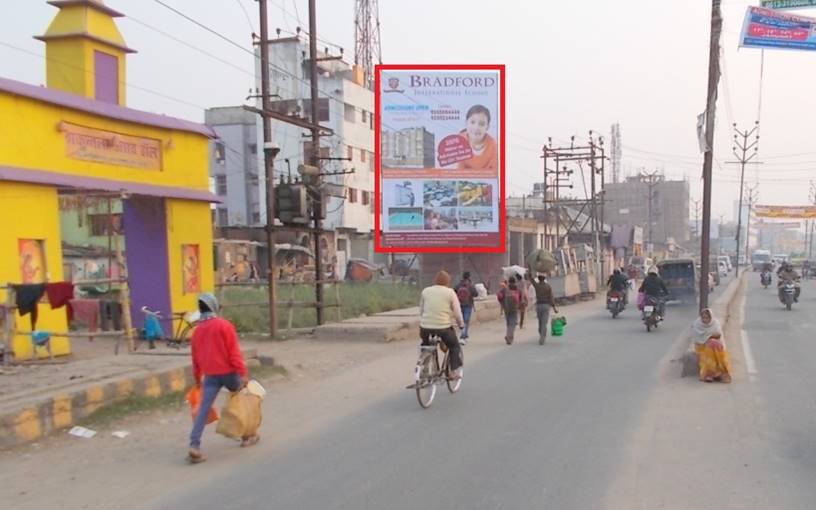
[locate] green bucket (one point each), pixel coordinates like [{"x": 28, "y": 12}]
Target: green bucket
[{"x": 557, "y": 326}]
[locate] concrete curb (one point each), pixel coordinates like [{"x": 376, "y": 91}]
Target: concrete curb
[
  {"x": 45, "y": 416},
  {"x": 394, "y": 326},
  {"x": 720, "y": 309}
]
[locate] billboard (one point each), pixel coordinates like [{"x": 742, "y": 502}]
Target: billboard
[
  {"x": 439, "y": 179},
  {"x": 767, "y": 28},
  {"x": 785, "y": 211}
]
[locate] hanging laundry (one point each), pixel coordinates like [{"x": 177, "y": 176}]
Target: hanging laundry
[
  {"x": 26, "y": 297},
  {"x": 59, "y": 294},
  {"x": 87, "y": 311}
]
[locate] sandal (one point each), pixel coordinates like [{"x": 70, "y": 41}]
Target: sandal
[
  {"x": 195, "y": 456},
  {"x": 250, "y": 441}
]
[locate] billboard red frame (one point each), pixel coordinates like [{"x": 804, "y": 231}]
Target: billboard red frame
[{"x": 378, "y": 247}]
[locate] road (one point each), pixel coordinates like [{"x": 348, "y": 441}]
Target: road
[
  {"x": 533, "y": 427},
  {"x": 596, "y": 419}
]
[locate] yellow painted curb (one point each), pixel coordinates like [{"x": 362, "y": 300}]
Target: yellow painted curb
[
  {"x": 61, "y": 412},
  {"x": 27, "y": 425}
]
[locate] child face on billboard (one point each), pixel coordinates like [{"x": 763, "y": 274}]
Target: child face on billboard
[{"x": 477, "y": 125}]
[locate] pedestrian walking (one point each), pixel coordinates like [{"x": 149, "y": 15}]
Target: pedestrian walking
[
  {"x": 466, "y": 293},
  {"x": 510, "y": 299},
  {"x": 545, "y": 302},
  {"x": 524, "y": 287},
  {"x": 218, "y": 361}
]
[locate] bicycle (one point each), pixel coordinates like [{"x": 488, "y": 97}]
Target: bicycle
[
  {"x": 428, "y": 373},
  {"x": 153, "y": 330}
]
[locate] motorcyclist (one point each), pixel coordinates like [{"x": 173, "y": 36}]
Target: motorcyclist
[
  {"x": 618, "y": 282},
  {"x": 787, "y": 273},
  {"x": 653, "y": 287},
  {"x": 767, "y": 270}
]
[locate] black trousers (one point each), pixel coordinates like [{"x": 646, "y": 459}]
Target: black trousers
[{"x": 448, "y": 337}]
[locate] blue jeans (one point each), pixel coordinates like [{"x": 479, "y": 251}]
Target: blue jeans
[
  {"x": 467, "y": 311},
  {"x": 212, "y": 385}
]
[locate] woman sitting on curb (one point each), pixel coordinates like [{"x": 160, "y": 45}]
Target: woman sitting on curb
[{"x": 712, "y": 357}]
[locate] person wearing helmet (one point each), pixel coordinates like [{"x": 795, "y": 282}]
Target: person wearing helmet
[{"x": 787, "y": 273}]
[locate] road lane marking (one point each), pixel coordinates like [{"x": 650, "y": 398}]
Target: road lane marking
[{"x": 750, "y": 362}]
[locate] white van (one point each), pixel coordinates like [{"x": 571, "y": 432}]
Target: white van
[{"x": 727, "y": 260}]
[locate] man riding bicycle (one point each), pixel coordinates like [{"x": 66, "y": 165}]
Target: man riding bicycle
[{"x": 440, "y": 312}]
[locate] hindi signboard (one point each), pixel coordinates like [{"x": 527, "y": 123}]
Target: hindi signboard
[
  {"x": 89, "y": 144},
  {"x": 767, "y": 28},
  {"x": 439, "y": 182},
  {"x": 785, "y": 211}
]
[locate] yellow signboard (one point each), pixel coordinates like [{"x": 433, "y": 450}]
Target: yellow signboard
[
  {"x": 89, "y": 144},
  {"x": 785, "y": 211}
]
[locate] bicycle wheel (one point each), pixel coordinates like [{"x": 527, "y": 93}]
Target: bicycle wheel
[
  {"x": 426, "y": 386},
  {"x": 453, "y": 384}
]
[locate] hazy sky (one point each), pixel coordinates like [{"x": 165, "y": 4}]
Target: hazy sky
[{"x": 572, "y": 66}]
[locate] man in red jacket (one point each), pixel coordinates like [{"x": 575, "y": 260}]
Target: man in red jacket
[{"x": 216, "y": 357}]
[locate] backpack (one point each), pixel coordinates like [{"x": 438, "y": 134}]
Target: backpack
[
  {"x": 463, "y": 293},
  {"x": 511, "y": 300}
]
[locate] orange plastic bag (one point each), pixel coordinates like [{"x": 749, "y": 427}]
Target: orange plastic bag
[{"x": 193, "y": 399}]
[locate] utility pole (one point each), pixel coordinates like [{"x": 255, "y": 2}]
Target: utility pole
[
  {"x": 741, "y": 143},
  {"x": 651, "y": 181},
  {"x": 270, "y": 151},
  {"x": 708, "y": 160},
  {"x": 753, "y": 194},
  {"x": 317, "y": 209}
]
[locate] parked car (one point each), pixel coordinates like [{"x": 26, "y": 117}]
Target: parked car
[{"x": 727, "y": 260}]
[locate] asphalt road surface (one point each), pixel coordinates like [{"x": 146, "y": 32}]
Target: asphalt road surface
[{"x": 532, "y": 427}]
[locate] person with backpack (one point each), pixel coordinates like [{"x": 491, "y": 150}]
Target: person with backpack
[
  {"x": 510, "y": 299},
  {"x": 466, "y": 292}
]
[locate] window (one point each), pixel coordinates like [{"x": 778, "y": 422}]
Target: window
[
  {"x": 364, "y": 115},
  {"x": 253, "y": 148},
  {"x": 221, "y": 185},
  {"x": 223, "y": 218},
  {"x": 350, "y": 152},
  {"x": 348, "y": 112},
  {"x": 352, "y": 195},
  {"x": 366, "y": 197},
  {"x": 303, "y": 108},
  {"x": 256, "y": 214},
  {"x": 253, "y": 180},
  {"x": 100, "y": 224},
  {"x": 218, "y": 152},
  {"x": 371, "y": 122},
  {"x": 106, "y": 84}
]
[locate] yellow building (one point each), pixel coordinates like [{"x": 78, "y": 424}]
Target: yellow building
[{"x": 76, "y": 136}]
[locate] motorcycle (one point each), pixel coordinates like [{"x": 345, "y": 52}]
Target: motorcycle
[
  {"x": 787, "y": 294},
  {"x": 614, "y": 303},
  {"x": 765, "y": 278},
  {"x": 651, "y": 312}
]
